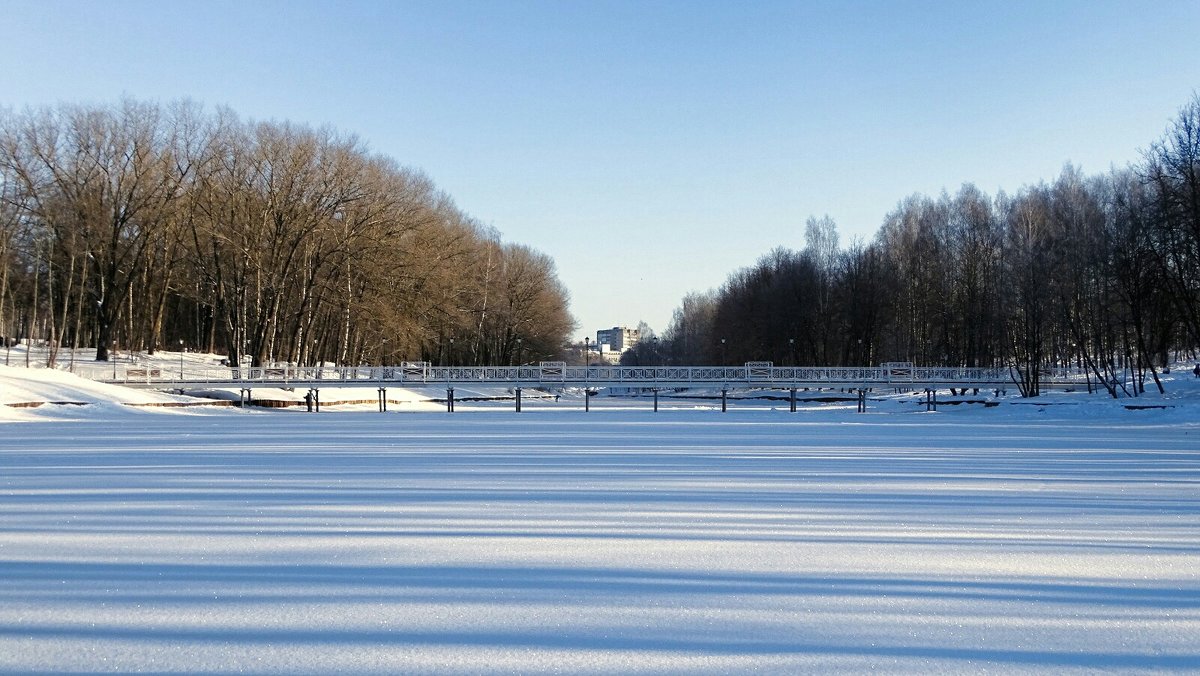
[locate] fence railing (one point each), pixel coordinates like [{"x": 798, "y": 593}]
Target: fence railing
[{"x": 423, "y": 374}]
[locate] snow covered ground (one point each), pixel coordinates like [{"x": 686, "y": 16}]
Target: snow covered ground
[{"x": 1057, "y": 536}]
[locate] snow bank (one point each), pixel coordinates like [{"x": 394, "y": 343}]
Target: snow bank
[{"x": 20, "y": 385}]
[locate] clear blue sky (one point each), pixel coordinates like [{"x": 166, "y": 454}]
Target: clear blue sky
[{"x": 652, "y": 147}]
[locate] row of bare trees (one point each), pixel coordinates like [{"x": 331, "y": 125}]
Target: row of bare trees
[
  {"x": 144, "y": 227},
  {"x": 1102, "y": 273}
]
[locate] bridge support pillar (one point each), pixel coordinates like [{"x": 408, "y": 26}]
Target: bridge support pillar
[
  {"x": 862, "y": 401},
  {"x": 587, "y": 400},
  {"x": 383, "y": 400},
  {"x": 656, "y": 400},
  {"x": 793, "y": 400},
  {"x": 518, "y": 393},
  {"x": 724, "y": 399},
  {"x": 930, "y": 400},
  {"x": 449, "y": 400},
  {"x": 244, "y": 398},
  {"x": 316, "y": 399}
]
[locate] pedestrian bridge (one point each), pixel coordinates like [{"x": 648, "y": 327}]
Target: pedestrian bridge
[{"x": 558, "y": 375}]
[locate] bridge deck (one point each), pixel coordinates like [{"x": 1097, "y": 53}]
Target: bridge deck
[{"x": 557, "y": 375}]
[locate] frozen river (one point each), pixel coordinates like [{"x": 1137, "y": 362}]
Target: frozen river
[{"x": 617, "y": 541}]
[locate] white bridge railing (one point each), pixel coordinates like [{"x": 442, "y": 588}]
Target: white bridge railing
[{"x": 559, "y": 374}]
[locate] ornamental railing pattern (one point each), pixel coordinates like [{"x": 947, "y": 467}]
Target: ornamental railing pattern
[{"x": 559, "y": 374}]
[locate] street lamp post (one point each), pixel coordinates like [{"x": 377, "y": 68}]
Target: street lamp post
[
  {"x": 792, "y": 349},
  {"x": 181, "y": 359},
  {"x": 722, "y": 352},
  {"x": 587, "y": 366},
  {"x": 520, "y": 344},
  {"x": 654, "y": 340}
]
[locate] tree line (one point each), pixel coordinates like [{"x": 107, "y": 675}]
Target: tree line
[
  {"x": 1096, "y": 272},
  {"x": 140, "y": 227}
]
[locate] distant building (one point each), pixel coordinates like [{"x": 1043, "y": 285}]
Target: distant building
[{"x": 617, "y": 339}]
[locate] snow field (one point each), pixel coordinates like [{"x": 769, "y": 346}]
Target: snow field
[{"x": 618, "y": 541}]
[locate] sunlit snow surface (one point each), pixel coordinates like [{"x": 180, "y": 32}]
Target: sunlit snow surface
[{"x": 620, "y": 540}]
